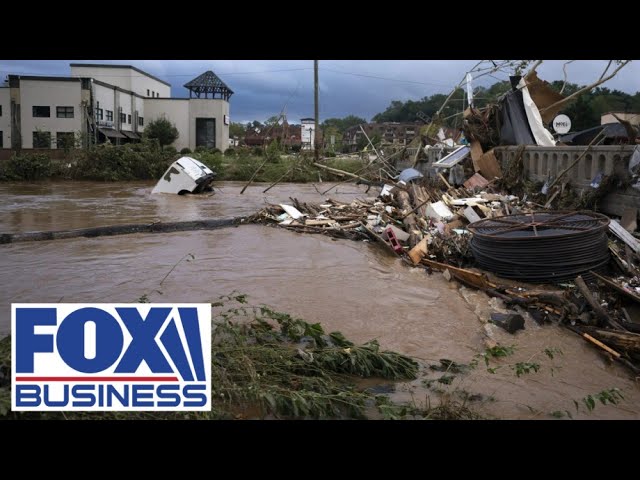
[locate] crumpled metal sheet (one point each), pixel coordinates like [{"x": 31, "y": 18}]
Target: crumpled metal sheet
[{"x": 409, "y": 174}]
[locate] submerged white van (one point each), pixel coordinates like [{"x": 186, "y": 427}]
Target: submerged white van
[{"x": 186, "y": 175}]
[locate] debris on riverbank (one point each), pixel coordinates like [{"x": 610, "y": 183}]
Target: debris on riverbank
[{"x": 550, "y": 254}]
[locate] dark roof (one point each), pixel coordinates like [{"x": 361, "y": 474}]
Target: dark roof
[
  {"x": 584, "y": 137},
  {"x": 208, "y": 80},
  {"x": 621, "y": 111},
  {"x": 55, "y": 79},
  {"x": 305, "y": 119},
  {"x": 103, "y": 65}
]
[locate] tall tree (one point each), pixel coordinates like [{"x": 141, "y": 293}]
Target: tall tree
[{"x": 163, "y": 131}]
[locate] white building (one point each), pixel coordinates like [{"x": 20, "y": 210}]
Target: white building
[
  {"x": 307, "y": 133},
  {"x": 100, "y": 103}
]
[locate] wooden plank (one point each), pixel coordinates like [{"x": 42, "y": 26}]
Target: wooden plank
[
  {"x": 616, "y": 287},
  {"x": 419, "y": 251},
  {"x": 595, "y": 306},
  {"x": 619, "y": 231},
  {"x": 467, "y": 277},
  {"x": 488, "y": 166},
  {"x": 476, "y": 180},
  {"x": 601, "y": 345},
  {"x": 476, "y": 153},
  {"x": 314, "y": 223},
  {"x": 444, "y": 180}
]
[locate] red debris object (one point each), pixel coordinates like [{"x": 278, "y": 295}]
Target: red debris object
[{"x": 393, "y": 240}]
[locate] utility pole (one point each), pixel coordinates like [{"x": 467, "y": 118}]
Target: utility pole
[{"x": 315, "y": 94}]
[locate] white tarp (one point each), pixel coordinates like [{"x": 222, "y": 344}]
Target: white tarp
[
  {"x": 542, "y": 136},
  {"x": 469, "y": 89}
]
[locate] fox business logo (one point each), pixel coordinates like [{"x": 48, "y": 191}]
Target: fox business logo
[{"x": 99, "y": 357}]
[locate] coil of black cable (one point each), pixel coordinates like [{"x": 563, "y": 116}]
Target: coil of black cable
[{"x": 541, "y": 247}]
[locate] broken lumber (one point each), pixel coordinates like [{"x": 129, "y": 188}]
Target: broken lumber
[
  {"x": 620, "y": 232},
  {"x": 595, "y": 306},
  {"x": 341, "y": 172},
  {"x": 627, "y": 341},
  {"x": 419, "y": 251},
  {"x": 488, "y": 166},
  {"x": 616, "y": 287},
  {"x": 409, "y": 218},
  {"x": 473, "y": 279}
]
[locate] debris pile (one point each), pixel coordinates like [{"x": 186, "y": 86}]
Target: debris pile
[{"x": 467, "y": 231}]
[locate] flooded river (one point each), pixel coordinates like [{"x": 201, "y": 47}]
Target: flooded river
[{"x": 354, "y": 287}]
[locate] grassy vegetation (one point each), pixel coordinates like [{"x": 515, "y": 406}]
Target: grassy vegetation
[
  {"x": 146, "y": 161},
  {"x": 267, "y": 364}
]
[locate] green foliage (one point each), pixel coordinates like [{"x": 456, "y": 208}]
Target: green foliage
[
  {"x": 339, "y": 125},
  {"x": 236, "y": 130},
  {"x": 273, "y": 151},
  {"x": 229, "y": 152},
  {"x": 551, "y": 352},
  {"x": 142, "y": 161},
  {"x": 497, "y": 352},
  {"x": 585, "y": 110},
  {"x": 291, "y": 368},
  {"x": 185, "y": 151},
  {"x": 213, "y": 160},
  {"x": 162, "y": 130},
  {"x": 611, "y": 396},
  {"x": 26, "y": 166},
  {"x": 522, "y": 368}
]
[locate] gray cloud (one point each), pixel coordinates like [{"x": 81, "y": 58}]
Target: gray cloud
[{"x": 358, "y": 87}]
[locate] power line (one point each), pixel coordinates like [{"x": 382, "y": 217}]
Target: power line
[{"x": 384, "y": 78}]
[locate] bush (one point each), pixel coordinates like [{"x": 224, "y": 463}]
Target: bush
[
  {"x": 28, "y": 166},
  {"x": 125, "y": 162},
  {"x": 185, "y": 151},
  {"x": 171, "y": 150},
  {"x": 211, "y": 159},
  {"x": 229, "y": 152},
  {"x": 330, "y": 154},
  {"x": 257, "y": 151},
  {"x": 296, "y": 148},
  {"x": 273, "y": 152}
]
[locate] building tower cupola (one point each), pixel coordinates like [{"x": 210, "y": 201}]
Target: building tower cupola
[{"x": 208, "y": 83}]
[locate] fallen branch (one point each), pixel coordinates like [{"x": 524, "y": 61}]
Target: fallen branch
[
  {"x": 575, "y": 162},
  {"x": 254, "y": 175},
  {"x": 600, "y": 81},
  {"x": 341, "y": 172}
]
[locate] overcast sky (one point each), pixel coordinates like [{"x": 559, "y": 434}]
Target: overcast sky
[{"x": 359, "y": 87}]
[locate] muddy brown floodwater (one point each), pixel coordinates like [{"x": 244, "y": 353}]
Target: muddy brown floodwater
[{"x": 354, "y": 287}]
